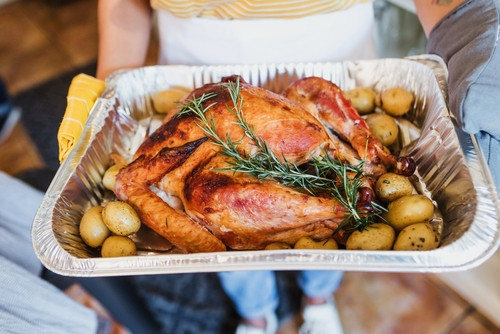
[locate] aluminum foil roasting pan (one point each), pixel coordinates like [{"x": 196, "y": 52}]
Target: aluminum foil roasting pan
[{"x": 451, "y": 171}]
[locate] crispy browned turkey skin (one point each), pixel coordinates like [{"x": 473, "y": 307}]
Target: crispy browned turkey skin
[
  {"x": 332, "y": 107},
  {"x": 222, "y": 208}
]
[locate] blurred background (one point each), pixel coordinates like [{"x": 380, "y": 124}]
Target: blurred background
[{"x": 44, "y": 43}]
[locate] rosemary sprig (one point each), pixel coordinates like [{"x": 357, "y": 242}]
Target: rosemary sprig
[{"x": 330, "y": 175}]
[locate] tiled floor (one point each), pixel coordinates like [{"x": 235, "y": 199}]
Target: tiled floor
[{"x": 40, "y": 39}]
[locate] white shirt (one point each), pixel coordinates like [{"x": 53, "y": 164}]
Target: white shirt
[{"x": 334, "y": 36}]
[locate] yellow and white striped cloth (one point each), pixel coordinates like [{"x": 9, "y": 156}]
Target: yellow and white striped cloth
[
  {"x": 82, "y": 94},
  {"x": 252, "y": 9}
]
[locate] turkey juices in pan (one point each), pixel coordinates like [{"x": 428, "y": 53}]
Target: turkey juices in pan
[{"x": 252, "y": 168}]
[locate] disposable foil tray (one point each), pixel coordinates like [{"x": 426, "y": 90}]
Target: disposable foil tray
[{"x": 451, "y": 171}]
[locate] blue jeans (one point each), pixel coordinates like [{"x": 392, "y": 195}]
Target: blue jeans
[{"x": 255, "y": 294}]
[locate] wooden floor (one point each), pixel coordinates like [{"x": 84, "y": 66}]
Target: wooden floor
[{"x": 40, "y": 39}]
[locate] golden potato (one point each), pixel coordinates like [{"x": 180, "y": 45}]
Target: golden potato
[
  {"x": 396, "y": 101},
  {"x": 310, "y": 243},
  {"x": 116, "y": 245},
  {"x": 420, "y": 236},
  {"x": 391, "y": 186},
  {"x": 277, "y": 245},
  {"x": 121, "y": 218},
  {"x": 384, "y": 127},
  {"x": 408, "y": 210},
  {"x": 363, "y": 99},
  {"x": 377, "y": 236},
  {"x": 92, "y": 228},
  {"x": 165, "y": 100},
  {"x": 109, "y": 178}
]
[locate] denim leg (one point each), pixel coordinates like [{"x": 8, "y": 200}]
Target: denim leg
[
  {"x": 254, "y": 293},
  {"x": 491, "y": 150},
  {"x": 19, "y": 203},
  {"x": 319, "y": 283}
]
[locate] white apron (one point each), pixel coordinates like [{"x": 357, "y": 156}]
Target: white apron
[{"x": 342, "y": 35}]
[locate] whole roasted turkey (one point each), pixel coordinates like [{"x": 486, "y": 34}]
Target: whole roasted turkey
[{"x": 220, "y": 207}]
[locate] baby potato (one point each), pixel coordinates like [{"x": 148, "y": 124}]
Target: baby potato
[
  {"x": 109, "y": 178},
  {"x": 391, "y": 186},
  {"x": 377, "y": 236},
  {"x": 116, "y": 245},
  {"x": 165, "y": 100},
  {"x": 408, "y": 210},
  {"x": 420, "y": 236},
  {"x": 92, "y": 228},
  {"x": 310, "y": 243},
  {"x": 363, "y": 99},
  {"x": 277, "y": 245},
  {"x": 384, "y": 127},
  {"x": 121, "y": 218},
  {"x": 396, "y": 101}
]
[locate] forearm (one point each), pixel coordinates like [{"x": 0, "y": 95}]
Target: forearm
[
  {"x": 124, "y": 28},
  {"x": 431, "y": 12}
]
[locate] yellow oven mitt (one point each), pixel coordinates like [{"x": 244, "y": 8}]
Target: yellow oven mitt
[{"x": 82, "y": 94}]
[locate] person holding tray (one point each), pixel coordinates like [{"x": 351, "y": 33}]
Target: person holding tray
[{"x": 463, "y": 33}]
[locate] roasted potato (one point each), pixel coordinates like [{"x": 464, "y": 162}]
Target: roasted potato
[
  {"x": 116, "y": 245},
  {"x": 277, "y": 245},
  {"x": 420, "y": 236},
  {"x": 92, "y": 228},
  {"x": 408, "y": 210},
  {"x": 377, "y": 236},
  {"x": 363, "y": 99},
  {"x": 396, "y": 101},
  {"x": 384, "y": 127},
  {"x": 109, "y": 178},
  {"x": 164, "y": 101},
  {"x": 310, "y": 243},
  {"x": 121, "y": 218},
  {"x": 391, "y": 186}
]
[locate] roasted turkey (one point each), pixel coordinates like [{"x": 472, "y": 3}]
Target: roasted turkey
[{"x": 220, "y": 207}]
